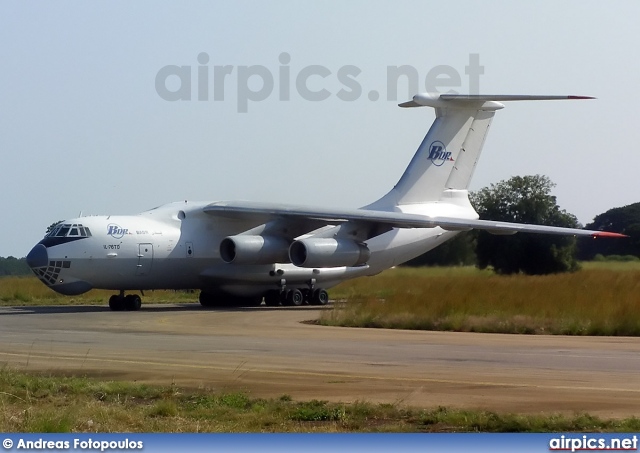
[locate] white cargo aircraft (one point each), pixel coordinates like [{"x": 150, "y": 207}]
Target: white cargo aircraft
[{"x": 244, "y": 252}]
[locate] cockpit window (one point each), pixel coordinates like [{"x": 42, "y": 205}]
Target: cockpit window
[
  {"x": 62, "y": 232},
  {"x": 67, "y": 230}
]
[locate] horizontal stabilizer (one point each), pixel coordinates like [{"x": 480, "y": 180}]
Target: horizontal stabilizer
[{"x": 485, "y": 101}]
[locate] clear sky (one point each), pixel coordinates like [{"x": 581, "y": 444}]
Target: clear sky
[{"x": 84, "y": 127}]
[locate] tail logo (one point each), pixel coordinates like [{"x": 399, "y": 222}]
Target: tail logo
[{"x": 438, "y": 153}]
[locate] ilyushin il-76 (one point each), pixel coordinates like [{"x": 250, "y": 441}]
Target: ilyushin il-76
[{"x": 246, "y": 252}]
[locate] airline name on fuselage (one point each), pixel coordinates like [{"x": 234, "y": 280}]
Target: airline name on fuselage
[{"x": 116, "y": 231}]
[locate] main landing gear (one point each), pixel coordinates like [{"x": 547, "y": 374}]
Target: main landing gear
[
  {"x": 208, "y": 299},
  {"x": 120, "y": 302},
  {"x": 296, "y": 297},
  {"x": 274, "y": 298}
]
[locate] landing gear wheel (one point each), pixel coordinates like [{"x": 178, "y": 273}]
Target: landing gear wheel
[
  {"x": 272, "y": 298},
  {"x": 132, "y": 302},
  {"x": 116, "y": 303},
  {"x": 295, "y": 298},
  {"x": 207, "y": 299},
  {"x": 320, "y": 297},
  {"x": 251, "y": 301}
]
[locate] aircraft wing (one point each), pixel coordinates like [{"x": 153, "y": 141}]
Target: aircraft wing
[{"x": 291, "y": 214}]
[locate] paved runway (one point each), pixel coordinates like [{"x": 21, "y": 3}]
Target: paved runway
[{"x": 270, "y": 352}]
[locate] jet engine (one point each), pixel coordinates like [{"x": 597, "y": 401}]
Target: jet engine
[
  {"x": 247, "y": 249},
  {"x": 326, "y": 252}
]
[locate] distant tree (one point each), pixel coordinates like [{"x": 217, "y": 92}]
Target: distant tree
[
  {"x": 52, "y": 226},
  {"x": 524, "y": 199},
  {"x": 13, "y": 266},
  {"x": 625, "y": 220},
  {"x": 459, "y": 251}
]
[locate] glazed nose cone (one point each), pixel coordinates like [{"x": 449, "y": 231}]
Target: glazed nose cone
[{"x": 38, "y": 257}]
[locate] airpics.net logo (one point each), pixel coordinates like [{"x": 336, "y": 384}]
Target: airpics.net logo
[{"x": 207, "y": 81}]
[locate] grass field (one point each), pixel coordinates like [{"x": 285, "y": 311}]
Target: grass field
[
  {"x": 603, "y": 298},
  {"x": 600, "y": 299},
  {"x": 41, "y": 403}
]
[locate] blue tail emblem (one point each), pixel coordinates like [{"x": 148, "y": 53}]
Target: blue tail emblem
[{"x": 438, "y": 153}]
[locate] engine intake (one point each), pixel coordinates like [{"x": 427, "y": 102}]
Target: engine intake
[
  {"x": 326, "y": 252},
  {"x": 254, "y": 249}
]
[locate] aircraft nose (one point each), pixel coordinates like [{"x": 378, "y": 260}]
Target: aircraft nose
[{"x": 38, "y": 257}]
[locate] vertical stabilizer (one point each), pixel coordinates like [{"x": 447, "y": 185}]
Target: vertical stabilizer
[{"x": 449, "y": 153}]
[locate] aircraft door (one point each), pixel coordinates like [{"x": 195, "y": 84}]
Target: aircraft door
[{"x": 145, "y": 259}]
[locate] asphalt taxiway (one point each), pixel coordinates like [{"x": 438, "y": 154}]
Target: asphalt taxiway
[{"x": 269, "y": 352}]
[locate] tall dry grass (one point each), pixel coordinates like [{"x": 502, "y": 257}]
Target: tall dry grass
[
  {"x": 29, "y": 290},
  {"x": 597, "y": 300}
]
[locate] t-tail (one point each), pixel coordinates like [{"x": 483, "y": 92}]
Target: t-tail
[{"x": 447, "y": 157}]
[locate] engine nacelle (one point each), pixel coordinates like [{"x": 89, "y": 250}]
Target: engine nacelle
[
  {"x": 248, "y": 249},
  {"x": 326, "y": 252}
]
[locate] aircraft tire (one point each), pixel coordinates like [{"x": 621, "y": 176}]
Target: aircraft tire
[
  {"x": 116, "y": 303},
  {"x": 252, "y": 301},
  {"x": 207, "y": 299},
  {"x": 272, "y": 298},
  {"x": 132, "y": 302},
  {"x": 320, "y": 297},
  {"x": 295, "y": 298}
]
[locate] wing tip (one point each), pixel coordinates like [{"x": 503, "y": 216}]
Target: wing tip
[{"x": 608, "y": 234}]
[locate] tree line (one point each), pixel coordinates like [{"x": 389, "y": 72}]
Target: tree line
[
  {"x": 528, "y": 199},
  {"x": 13, "y": 266}
]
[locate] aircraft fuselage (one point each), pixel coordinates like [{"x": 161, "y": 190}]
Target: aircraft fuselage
[{"x": 177, "y": 246}]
